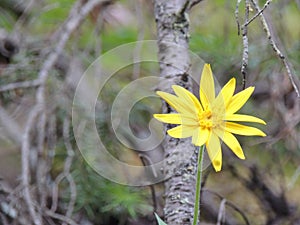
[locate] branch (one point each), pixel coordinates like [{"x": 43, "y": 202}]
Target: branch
[
  {"x": 258, "y": 13},
  {"x": 141, "y": 34},
  {"x": 229, "y": 203},
  {"x": 236, "y": 14},
  {"x": 61, "y": 217},
  {"x": 221, "y": 214},
  {"x": 17, "y": 85},
  {"x": 245, "y": 45},
  {"x": 67, "y": 167},
  {"x": 276, "y": 49},
  {"x": 74, "y": 20},
  {"x": 193, "y": 3}
]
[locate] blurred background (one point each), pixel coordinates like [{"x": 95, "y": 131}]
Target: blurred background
[{"x": 263, "y": 189}]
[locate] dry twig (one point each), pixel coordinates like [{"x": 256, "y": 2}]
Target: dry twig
[
  {"x": 258, "y": 13},
  {"x": 245, "y": 45},
  {"x": 17, "y": 85},
  {"x": 230, "y": 204},
  {"x": 275, "y": 48},
  {"x": 139, "y": 43},
  {"x": 39, "y": 111}
]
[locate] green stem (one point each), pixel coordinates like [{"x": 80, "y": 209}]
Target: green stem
[{"x": 198, "y": 185}]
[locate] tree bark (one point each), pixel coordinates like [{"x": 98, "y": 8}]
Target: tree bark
[{"x": 180, "y": 156}]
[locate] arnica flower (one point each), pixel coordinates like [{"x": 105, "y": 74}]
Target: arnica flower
[{"x": 212, "y": 118}]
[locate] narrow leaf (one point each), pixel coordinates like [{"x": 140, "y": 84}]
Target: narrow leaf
[{"x": 160, "y": 222}]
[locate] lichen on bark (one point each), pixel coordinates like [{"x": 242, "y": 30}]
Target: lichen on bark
[{"x": 181, "y": 159}]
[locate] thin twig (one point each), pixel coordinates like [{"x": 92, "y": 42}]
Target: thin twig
[
  {"x": 23, "y": 84},
  {"x": 143, "y": 158},
  {"x": 75, "y": 18},
  {"x": 221, "y": 214},
  {"x": 230, "y": 204},
  {"x": 245, "y": 45},
  {"x": 66, "y": 173},
  {"x": 236, "y": 14},
  {"x": 276, "y": 49},
  {"x": 25, "y": 166},
  {"x": 67, "y": 167},
  {"x": 141, "y": 34},
  {"x": 41, "y": 164},
  {"x": 184, "y": 8},
  {"x": 193, "y": 3},
  {"x": 258, "y": 13},
  {"x": 60, "y": 217}
]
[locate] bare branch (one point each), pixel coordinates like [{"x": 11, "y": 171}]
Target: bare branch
[
  {"x": 75, "y": 18},
  {"x": 275, "y": 48},
  {"x": 193, "y": 3},
  {"x": 67, "y": 167},
  {"x": 258, "y": 13},
  {"x": 25, "y": 166},
  {"x": 141, "y": 35},
  {"x": 232, "y": 205},
  {"x": 152, "y": 188},
  {"x": 236, "y": 14},
  {"x": 61, "y": 217},
  {"x": 221, "y": 214},
  {"x": 23, "y": 84},
  {"x": 245, "y": 45}
]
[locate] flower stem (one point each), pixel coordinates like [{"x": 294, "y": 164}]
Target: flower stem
[{"x": 198, "y": 185}]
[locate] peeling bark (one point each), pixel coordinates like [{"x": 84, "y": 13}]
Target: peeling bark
[{"x": 181, "y": 159}]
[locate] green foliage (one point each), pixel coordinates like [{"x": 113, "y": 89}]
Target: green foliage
[{"x": 103, "y": 200}]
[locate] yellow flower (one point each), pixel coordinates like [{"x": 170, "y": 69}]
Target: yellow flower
[{"x": 212, "y": 118}]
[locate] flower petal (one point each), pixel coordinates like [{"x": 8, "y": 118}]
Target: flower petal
[
  {"x": 168, "y": 118},
  {"x": 227, "y": 91},
  {"x": 207, "y": 86},
  {"x": 238, "y": 100},
  {"x": 231, "y": 141},
  {"x": 182, "y": 131},
  {"x": 173, "y": 118},
  {"x": 217, "y": 161},
  {"x": 188, "y": 97},
  {"x": 200, "y": 137},
  {"x": 242, "y": 129},
  {"x": 175, "y": 102},
  {"x": 214, "y": 151},
  {"x": 244, "y": 118}
]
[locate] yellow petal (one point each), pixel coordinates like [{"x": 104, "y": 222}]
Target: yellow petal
[
  {"x": 189, "y": 97},
  {"x": 242, "y": 129},
  {"x": 181, "y": 131},
  {"x": 175, "y": 119},
  {"x": 175, "y": 102},
  {"x": 168, "y": 118},
  {"x": 244, "y": 118},
  {"x": 238, "y": 100},
  {"x": 232, "y": 143},
  {"x": 218, "y": 107},
  {"x": 207, "y": 86},
  {"x": 204, "y": 101},
  {"x": 217, "y": 161},
  {"x": 214, "y": 151},
  {"x": 200, "y": 137},
  {"x": 227, "y": 91}
]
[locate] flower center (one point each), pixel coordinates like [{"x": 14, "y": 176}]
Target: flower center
[
  {"x": 205, "y": 119},
  {"x": 208, "y": 120}
]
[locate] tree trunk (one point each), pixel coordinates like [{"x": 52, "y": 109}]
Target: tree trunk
[{"x": 180, "y": 156}]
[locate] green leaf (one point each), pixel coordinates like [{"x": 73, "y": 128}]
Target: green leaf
[{"x": 160, "y": 222}]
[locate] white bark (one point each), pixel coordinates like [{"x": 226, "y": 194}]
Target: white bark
[{"x": 172, "y": 34}]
